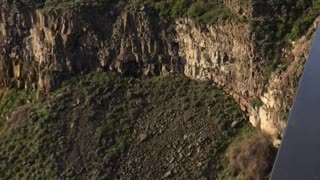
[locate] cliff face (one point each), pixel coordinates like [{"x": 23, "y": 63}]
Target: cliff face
[
  {"x": 226, "y": 55},
  {"x": 40, "y": 48},
  {"x": 36, "y": 45},
  {"x": 279, "y": 94}
]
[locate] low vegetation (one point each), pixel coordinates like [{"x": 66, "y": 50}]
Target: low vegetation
[
  {"x": 251, "y": 158},
  {"x": 275, "y": 22},
  {"x": 204, "y": 11},
  {"x": 82, "y": 129},
  {"x": 11, "y": 99},
  {"x": 281, "y": 23},
  {"x": 57, "y": 4},
  {"x": 256, "y": 103}
]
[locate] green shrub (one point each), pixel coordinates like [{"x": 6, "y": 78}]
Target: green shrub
[
  {"x": 285, "y": 116},
  {"x": 301, "y": 26},
  {"x": 180, "y": 8},
  {"x": 163, "y": 8},
  {"x": 256, "y": 103},
  {"x": 195, "y": 11}
]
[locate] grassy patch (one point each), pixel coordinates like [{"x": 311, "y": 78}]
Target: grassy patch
[
  {"x": 204, "y": 11},
  {"x": 13, "y": 99},
  {"x": 285, "y": 21}
]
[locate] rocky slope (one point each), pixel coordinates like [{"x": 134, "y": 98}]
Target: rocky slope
[
  {"x": 106, "y": 126},
  {"x": 40, "y": 47}
]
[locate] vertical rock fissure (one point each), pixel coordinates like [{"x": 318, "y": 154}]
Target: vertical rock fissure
[{"x": 39, "y": 48}]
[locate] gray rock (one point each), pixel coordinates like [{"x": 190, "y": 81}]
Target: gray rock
[
  {"x": 185, "y": 137},
  {"x": 172, "y": 160},
  {"x": 166, "y": 175},
  {"x": 142, "y": 137},
  {"x": 234, "y": 124}
]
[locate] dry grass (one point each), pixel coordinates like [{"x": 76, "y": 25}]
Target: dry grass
[{"x": 251, "y": 158}]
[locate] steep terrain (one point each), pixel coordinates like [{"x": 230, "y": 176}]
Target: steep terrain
[
  {"x": 252, "y": 50},
  {"x": 41, "y": 45},
  {"x": 107, "y": 126}
]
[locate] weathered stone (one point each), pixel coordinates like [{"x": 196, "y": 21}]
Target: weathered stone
[
  {"x": 185, "y": 137},
  {"x": 142, "y": 137},
  {"x": 38, "y": 49},
  {"x": 166, "y": 175},
  {"x": 234, "y": 124}
]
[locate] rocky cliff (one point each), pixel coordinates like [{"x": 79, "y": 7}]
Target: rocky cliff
[
  {"x": 40, "y": 48},
  {"x": 225, "y": 55}
]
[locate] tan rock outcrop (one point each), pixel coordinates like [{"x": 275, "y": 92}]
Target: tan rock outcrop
[
  {"x": 224, "y": 54},
  {"x": 39, "y": 48}
]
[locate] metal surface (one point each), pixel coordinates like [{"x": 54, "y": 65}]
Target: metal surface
[{"x": 299, "y": 155}]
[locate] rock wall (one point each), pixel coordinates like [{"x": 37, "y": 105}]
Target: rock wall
[
  {"x": 40, "y": 48},
  {"x": 222, "y": 54},
  {"x": 225, "y": 55},
  {"x": 280, "y": 92},
  {"x": 141, "y": 46},
  {"x": 36, "y": 45}
]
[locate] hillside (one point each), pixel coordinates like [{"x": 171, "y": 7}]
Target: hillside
[{"x": 107, "y": 126}]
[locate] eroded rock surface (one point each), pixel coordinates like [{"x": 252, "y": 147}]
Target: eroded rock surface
[{"x": 39, "y": 48}]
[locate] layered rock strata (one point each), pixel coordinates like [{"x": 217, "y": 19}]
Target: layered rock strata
[{"x": 40, "y": 48}]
